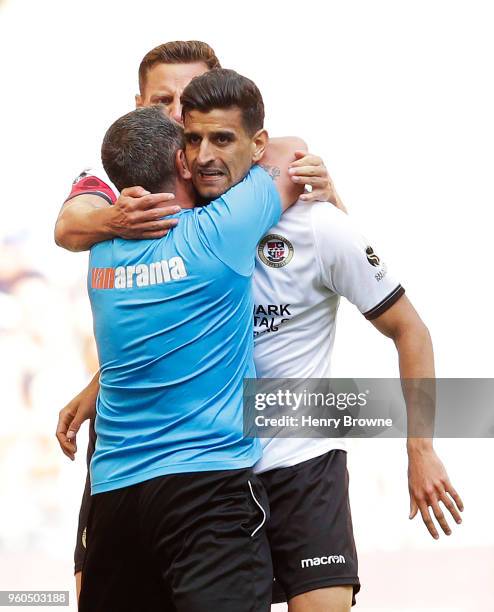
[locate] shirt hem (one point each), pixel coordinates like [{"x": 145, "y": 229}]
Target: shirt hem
[{"x": 291, "y": 461}]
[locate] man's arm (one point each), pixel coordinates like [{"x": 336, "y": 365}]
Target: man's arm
[
  {"x": 87, "y": 219},
  {"x": 309, "y": 170},
  {"x": 349, "y": 266},
  {"x": 82, "y": 407},
  {"x": 82, "y": 222},
  {"x": 428, "y": 480},
  {"x": 71, "y": 417},
  {"x": 279, "y": 154},
  {"x": 305, "y": 169}
]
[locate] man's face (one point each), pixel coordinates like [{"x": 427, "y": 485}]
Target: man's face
[
  {"x": 218, "y": 150},
  {"x": 165, "y": 84}
]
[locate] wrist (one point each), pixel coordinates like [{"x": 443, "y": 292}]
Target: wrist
[
  {"x": 93, "y": 386},
  {"x": 419, "y": 445}
]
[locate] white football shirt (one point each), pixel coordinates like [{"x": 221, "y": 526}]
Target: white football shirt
[{"x": 312, "y": 257}]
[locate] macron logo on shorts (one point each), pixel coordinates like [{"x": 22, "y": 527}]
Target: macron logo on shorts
[
  {"x": 323, "y": 560},
  {"x": 141, "y": 275}
]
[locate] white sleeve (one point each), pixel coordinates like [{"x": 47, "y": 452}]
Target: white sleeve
[{"x": 349, "y": 264}]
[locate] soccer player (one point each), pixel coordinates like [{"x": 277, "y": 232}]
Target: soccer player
[
  {"x": 86, "y": 216},
  {"x": 303, "y": 265},
  {"x": 177, "y": 516}
]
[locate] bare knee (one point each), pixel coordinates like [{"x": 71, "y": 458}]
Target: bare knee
[{"x": 330, "y": 599}]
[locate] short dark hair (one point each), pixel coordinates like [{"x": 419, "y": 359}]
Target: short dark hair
[
  {"x": 222, "y": 88},
  {"x": 177, "y": 52},
  {"x": 140, "y": 149}
]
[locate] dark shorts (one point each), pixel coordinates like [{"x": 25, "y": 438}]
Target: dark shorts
[
  {"x": 310, "y": 530},
  {"x": 80, "y": 545},
  {"x": 179, "y": 543}
]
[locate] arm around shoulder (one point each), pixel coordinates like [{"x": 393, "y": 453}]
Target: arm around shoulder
[
  {"x": 82, "y": 222},
  {"x": 279, "y": 154},
  {"x": 136, "y": 214}
]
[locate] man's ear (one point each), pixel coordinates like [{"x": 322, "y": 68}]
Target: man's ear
[
  {"x": 139, "y": 103},
  {"x": 182, "y": 167},
  {"x": 259, "y": 143}
]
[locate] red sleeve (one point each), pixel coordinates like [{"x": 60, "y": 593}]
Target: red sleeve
[{"x": 90, "y": 184}]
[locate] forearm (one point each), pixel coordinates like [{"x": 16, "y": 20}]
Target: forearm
[
  {"x": 82, "y": 224},
  {"x": 415, "y": 352},
  {"x": 416, "y": 360},
  {"x": 428, "y": 481},
  {"x": 94, "y": 383}
]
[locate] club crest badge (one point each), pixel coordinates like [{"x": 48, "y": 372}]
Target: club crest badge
[{"x": 275, "y": 251}]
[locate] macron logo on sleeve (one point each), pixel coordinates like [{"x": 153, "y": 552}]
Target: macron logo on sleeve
[
  {"x": 323, "y": 560},
  {"x": 140, "y": 275}
]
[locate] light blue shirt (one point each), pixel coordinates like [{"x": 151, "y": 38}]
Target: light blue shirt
[{"x": 173, "y": 326}]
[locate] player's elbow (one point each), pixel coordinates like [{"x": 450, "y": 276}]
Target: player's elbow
[
  {"x": 61, "y": 234},
  {"x": 424, "y": 333},
  {"x": 414, "y": 331},
  {"x": 64, "y": 237}
]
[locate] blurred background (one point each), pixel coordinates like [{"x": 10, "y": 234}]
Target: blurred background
[{"x": 397, "y": 97}]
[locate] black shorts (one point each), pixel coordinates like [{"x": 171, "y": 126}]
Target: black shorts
[
  {"x": 80, "y": 545},
  {"x": 179, "y": 543},
  {"x": 310, "y": 530}
]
